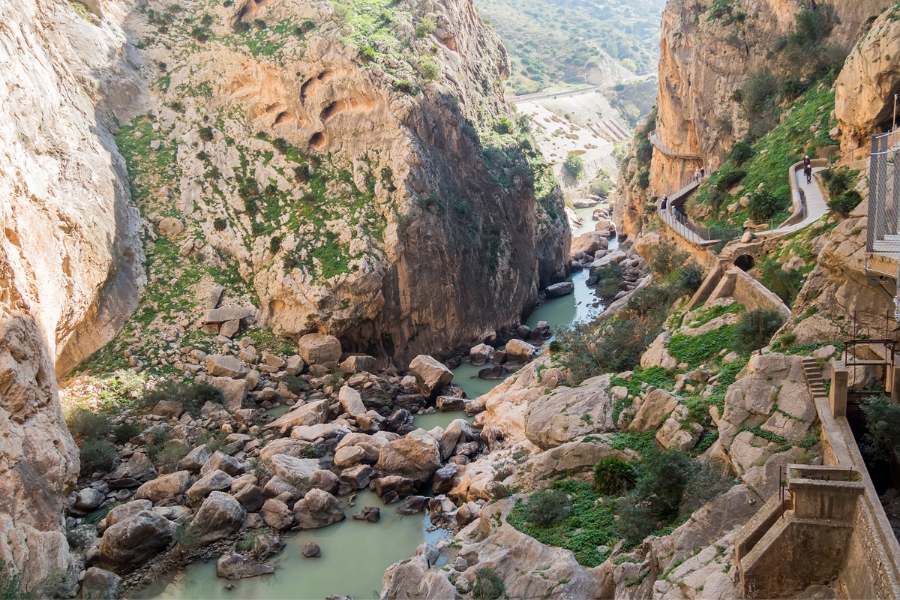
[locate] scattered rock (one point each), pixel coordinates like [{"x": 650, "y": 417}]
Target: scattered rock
[
  {"x": 371, "y": 514},
  {"x": 219, "y": 516},
  {"x": 237, "y": 566},
  {"x": 222, "y": 365},
  {"x": 431, "y": 374},
  {"x": 318, "y": 348},
  {"x": 164, "y": 487},
  {"x": 520, "y": 350},
  {"x": 311, "y": 550},
  {"x": 317, "y": 509},
  {"x": 99, "y": 584},
  {"x": 136, "y": 538}
]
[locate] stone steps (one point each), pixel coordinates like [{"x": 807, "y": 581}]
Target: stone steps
[{"x": 814, "y": 380}]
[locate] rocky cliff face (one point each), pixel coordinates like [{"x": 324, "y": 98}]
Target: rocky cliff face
[
  {"x": 69, "y": 255},
  {"x": 867, "y": 83},
  {"x": 361, "y": 175},
  {"x": 709, "y": 51}
]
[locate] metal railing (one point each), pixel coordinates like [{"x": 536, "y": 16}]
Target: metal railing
[{"x": 884, "y": 194}]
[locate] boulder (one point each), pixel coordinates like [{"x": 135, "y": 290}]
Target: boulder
[
  {"x": 223, "y": 462},
  {"x": 168, "y": 409},
  {"x": 234, "y": 391},
  {"x": 302, "y": 473},
  {"x": 311, "y": 413},
  {"x": 311, "y": 550},
  {"x": 657, "y": 354},
  {"x": 288, "y": 446},
  {"x": 122, "y": 512},
  {"x": 480, "y": 354},
  {"x": 219, "y": 516},
  {"x": 351, "y": 401},
  {"x": 136, "y": 538},
  {"x": 195, "y": 459},
  {"x": 359, "y": 363},
  {"x": 567, "y": 413},
  {"x": 223, "y": 365},
  {"x": 131, "y": 473},
  {"x": 459, "y": 430},
  {"x": 589, "y": 243},
  {"x": 349, "y": 456},
  {"x": 318, "y": 348},
  {"x": 276, "y": 514},
  {"x": 678, "y": 432},
  {"x": 100, "y": 584},
  {"x": 520, "y": 350},
  {"x": 444, "y": 478},
  {"x": 653, "y": 410},
  {"x": 88, "y": 499},
  {"x": 370, "y": 514},
  {"x": 237, "y": 566},
  {"x": 357, "y": 477},
  {"x": 450, "y": 404},
  {"x": 317, "y": 509},
  {"x": 251, "y": 497},
  {"x": 164, "y": 487},
  {"x": 415, "y": 456},
  {"x": 431, "y": 374},
  {"x": 558, "y": 290},
  {"x": 228, "y": 313},
  {"x": 391, "y": 488},
  {"x": 211, "y": 482}
]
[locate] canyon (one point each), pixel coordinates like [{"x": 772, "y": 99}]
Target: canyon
[{"x": 284, "y": 281}]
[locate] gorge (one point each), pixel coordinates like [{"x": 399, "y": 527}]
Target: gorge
[{"x": 298, "y": 299}]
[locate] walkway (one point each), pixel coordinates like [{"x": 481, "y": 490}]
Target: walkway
[
  {"x": 661, "y": 146},
  {"x": 808, "y": 201}
]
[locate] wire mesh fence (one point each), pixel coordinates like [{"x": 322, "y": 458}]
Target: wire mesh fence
[{"x": 884, "y": 194}]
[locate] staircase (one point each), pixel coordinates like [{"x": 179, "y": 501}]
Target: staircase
[{"x": 814, "y": 379}]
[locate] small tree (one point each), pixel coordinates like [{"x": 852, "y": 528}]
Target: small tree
[
  {"x": 614, "y": 476},
  {"x": 488, "y": 585},
  {"x": 574, "y": 165},
  {"x": 763, "y": 206},
  {"x": 547, "y": 507},
  {"x": 756, "y": 328}
]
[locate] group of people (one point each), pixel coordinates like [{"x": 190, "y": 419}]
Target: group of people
[{"x": 699, "y": 174}]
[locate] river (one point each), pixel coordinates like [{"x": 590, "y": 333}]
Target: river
[{"x": 355, "y": 554}]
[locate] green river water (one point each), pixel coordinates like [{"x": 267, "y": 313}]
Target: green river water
[{"x": 355, "y": 554}]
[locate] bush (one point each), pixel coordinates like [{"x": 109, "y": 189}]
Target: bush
[
  {"x": 756, "y": 328},
  {"x": 657, "y": 496},
  {"x": 707, "y": 481},
  {"x": 192, "y": 396},
  {"x": 602, "y": 184},
  {"x": 10, "y": 583},
  {"x": 758, "y": 94},
  {"x": 763, "y": 206},
  {"x": 206, "y": 134},
  {"x": 85, "y": 424},
  {"x": 741, "y": 153},
  {"x": 666, "y": 259},
  {"x": 786, "y": 284},
  {"x": 845, "y": 203},
  {"x": 730, "y": 178},
  {"x": 425, "y": 27},
  {"x": 690, "y": 278},
  {"x": 839, "y": 180},
  {"x": 429, "y": 69},
  {"x": 503, "y": 126},
  {"x": 574, "y": 166},
  {"x": 97, "y": 455},
  {"x": 547, "y": 507},
  {"x": 616, "y": 345},
  {"x": 614, "y": 476},
  {"x": 488, "y": 585},
  {"x": 609, "y": 279},
  {"x": 125, "y": 430},
  {"x": 882, "y": 441}
]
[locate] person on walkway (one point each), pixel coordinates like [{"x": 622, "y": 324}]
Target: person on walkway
[
  {"x": 665, "y": 202},
  {"x": 807, "y": 168},
  {"x": 702, "y": 173}
]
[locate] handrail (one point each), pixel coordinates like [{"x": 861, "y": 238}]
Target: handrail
[{"x": 661, "y": 146}]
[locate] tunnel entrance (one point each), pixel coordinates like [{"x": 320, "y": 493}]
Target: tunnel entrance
[{"x": 744, "y": 262}]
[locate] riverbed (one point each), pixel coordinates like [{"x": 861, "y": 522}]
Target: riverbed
[{"x": 355, "y": 554}]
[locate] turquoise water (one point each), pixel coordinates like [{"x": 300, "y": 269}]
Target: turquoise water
[
  {"x": 439, "y": 419},
  {"x": 354, "y": 557}
]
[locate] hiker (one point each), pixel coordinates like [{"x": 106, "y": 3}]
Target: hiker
[
  {"x": 702, "y": 173},
  {"x": 696, "y": 174},
  {"x": 665, "y": 202},
  {"x": 807, "y": 168}
]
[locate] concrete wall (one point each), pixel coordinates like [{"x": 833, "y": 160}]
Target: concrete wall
[{"x": 748, "y": 291}]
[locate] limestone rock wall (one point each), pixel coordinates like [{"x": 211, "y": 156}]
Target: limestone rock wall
[
  {"x": 866, "y": 85},
  {"x": 69, "y": 254}
]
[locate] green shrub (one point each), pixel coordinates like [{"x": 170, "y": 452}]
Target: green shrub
[
  {"x": 206, "y": 134},
  {"x": 786, "y": 284},
  {"x": 657, "y": 496},
  {"x": 574, "y": 165},
  {"x": 741, "y": 152},
  {"x": 504, "y": 126},
  {"x": 845, "y": 203},
  {"x": 756, "y": 328},
  {"x": 86, "y": 424},
  {"x": 707, "y": 480},
  {"x": 296, "y": 384},
  {"x": 97, "y": 455},
  {"x": 425, "y": 27},
  {"x": 729, "y": 179},
  {"x": 167, "y": 456},
  {"x": 546, "y": 507},
  {"x": 11, "y": 583},
  {"x": 429, "y": 69},
  {"x": 488, "y": 585},
  {"x": 758, "y": 94},
  {"x": 763, "y": 206},
  {"x": 644, "y": 179},
  {"x": 125, "y": 430},
  {"x": 614, "y": 476},
  {"x": 881, "y": 443},
  {"x": 192, "y": 395},
  {"x": 689, "y": 278}
]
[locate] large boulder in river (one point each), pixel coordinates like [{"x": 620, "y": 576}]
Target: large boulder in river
[
  {"x": 589, "y": 243},
  {"x": 318, "y": 348},
  {"x": 136, "y": 539},
  {"x": 219, "y": 516},
  {"x": 100, "y": 584},
  {"x": 211, "y": 482},
  {"x": 351, "y": 401},
  {"x": 317, "y": 509},
  {"x": 430, "y": 373},
  {"x": 558, "y": 290},
  {"x": 303, "y": 473},
  {"x": 415, "y": 456},
  {"x": 519, "y": 350},
  {"x": 164, "y": 487},
  {"x": 567, "y": 413},
  {"x": 237, "y": 566}
]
